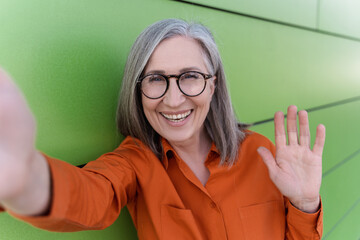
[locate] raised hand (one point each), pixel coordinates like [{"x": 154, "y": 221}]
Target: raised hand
[
  {"x": 296, "y": 169},
  {"x": 24, "y": 175}
]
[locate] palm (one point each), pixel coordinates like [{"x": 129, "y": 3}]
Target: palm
[
  {"x": 299, "y": 171},
  {"x": 296, "y": 169}
]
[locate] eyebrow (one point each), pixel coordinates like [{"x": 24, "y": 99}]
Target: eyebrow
[{"x": 181, "y": 70}]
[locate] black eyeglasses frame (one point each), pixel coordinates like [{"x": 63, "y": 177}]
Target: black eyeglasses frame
[{"x": 167, "y": 77}]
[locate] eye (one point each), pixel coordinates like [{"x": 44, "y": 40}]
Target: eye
[
  {"x": 155, "y": 78},
  {"x": 190, "y": 75}
]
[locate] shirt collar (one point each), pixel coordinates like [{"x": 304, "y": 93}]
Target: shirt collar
[{"x": 169, "y": 152}]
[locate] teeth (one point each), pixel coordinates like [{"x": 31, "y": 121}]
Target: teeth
[{"x": 176, "y": 117}]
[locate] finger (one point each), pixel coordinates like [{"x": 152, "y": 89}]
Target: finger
[
  {"x": 16, "y": 121},
  {"x": 280, "y": 136},
  {"x": 304, "y": 138},
  {"x": 319, "y": 140},
  {"x": 269, "y": 161},
  {"x": 292, "y": 125}
]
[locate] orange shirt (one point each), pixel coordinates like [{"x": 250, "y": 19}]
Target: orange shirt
[{"x": 167, "y": 201}]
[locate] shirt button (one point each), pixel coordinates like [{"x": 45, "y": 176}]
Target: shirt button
[{"x": 212, "y": 205}]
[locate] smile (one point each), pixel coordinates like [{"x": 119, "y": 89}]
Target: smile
[{"x": 176, "y": 117}]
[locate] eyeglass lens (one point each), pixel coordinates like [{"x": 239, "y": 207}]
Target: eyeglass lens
[{"x": 190, "y": 83}]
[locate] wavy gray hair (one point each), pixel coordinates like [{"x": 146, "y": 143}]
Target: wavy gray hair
[{"x": 220, "y": 123}]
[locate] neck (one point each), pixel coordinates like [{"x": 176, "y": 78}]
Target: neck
[{"x": 194, "y": 150}]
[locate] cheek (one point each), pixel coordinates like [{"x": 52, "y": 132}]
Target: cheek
[
  {"x": 207, "y": 97},
  {"x": 203, "y": 105},
  {"x": 149, "y": 108}
]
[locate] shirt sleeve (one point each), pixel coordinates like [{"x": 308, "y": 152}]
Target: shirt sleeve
[
  {"x": 86, "y": 198},
  {"x": 301, "y": 225}
]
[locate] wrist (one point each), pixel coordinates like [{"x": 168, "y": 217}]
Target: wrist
[
  {"x": 34, "y": 198},
  {"x": 306, "y": 205}
]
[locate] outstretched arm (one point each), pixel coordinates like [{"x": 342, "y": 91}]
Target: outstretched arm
[
  {"x": 32, "y": 184},
  {"x": 24, "y": 172},
  {"x": 296, "y": 169}
]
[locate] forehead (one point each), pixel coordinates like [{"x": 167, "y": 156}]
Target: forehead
[{"x": 174, "y": 54}]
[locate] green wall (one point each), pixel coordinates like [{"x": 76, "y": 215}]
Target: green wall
[{"x": 68, "y": 58}]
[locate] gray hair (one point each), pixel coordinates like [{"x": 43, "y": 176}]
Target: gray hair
[{"x": 220, "y": 123}]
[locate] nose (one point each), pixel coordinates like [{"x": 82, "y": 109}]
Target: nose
[{"x": 173, "y": 96}]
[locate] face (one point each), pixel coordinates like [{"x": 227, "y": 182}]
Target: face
[{"x": 175, "y": 116}]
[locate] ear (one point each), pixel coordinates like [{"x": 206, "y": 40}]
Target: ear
[{"x": 212, "y": 83}]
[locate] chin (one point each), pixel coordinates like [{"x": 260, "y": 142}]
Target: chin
[{"x": 178, "y": 138}]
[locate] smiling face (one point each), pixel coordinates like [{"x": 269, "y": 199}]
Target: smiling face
[{"x": 175, "y": 116}]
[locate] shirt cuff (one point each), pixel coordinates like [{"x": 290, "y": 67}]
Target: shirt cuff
[
  {"x": 303, "y": 220},
  {"x": 53, "y": 221}
]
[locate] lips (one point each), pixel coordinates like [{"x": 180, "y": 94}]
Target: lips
[{"x": 176, "y": 117}]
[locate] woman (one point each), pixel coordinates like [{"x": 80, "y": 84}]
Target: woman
[{"x": 187, "y": 169}]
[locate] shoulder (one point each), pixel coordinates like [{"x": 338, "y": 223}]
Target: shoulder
[
  {"x": 135, "y": 152},
  {"x": 125, "y": 154},
  {"x": 131, "y": 146},
  {"x": 248, "y": 147}
]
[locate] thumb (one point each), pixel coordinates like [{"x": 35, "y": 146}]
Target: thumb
[
  {"x": 269, "y": 160},
  {"x": 17, "y": 124}
]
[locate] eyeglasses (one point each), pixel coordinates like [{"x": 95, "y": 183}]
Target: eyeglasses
[{"x": 190, "y": 83}]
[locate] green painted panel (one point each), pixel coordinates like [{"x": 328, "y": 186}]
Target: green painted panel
[
  {"x": 291, "y": 67},
  {"x": 348, "y": 225},
  {"x": 339, "y": 192},
  {"x": 302, "y": 13},
  {"x": 342, "y": 131},
  {"x": 341, "y": 17}
]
